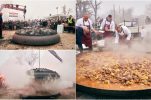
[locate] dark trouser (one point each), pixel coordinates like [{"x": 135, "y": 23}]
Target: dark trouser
[
  {"x": 0, "y": 32},
  {"x": 79, "y": 34},
  {"x": 71, "y": 29}
]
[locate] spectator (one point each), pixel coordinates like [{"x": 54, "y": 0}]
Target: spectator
[
  {"x": 71, "y": 24},
  {"x": 1, "y": 26}
]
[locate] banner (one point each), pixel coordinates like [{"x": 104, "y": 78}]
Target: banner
[{"x": 12, "y": 14}]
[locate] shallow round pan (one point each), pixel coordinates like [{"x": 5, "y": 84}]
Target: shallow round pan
[
  {"x": 36, "y": 40},
  {"x": 42, "y": 97},
  {"x": 116, "y": 94}
]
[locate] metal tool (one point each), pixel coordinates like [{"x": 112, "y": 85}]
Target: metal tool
[{"x": 56, "y": 55}]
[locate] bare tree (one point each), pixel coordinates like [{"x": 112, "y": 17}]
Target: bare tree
[
  {"x": 95, "y": 5},
  {"x": 148, "y": 10},
  {"x": 69, "y": 11},
  {"x": 82, "y": 6},
  {"x": 64, "y": 10},
  {"x": 126, "y": 14},
  {"x": 129, "y": 14}
]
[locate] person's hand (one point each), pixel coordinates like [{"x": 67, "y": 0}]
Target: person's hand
[
  {"x": 85, "y": 29},
  {"x": 96, "y": 32},
  {"x": 107, "y": 29}
]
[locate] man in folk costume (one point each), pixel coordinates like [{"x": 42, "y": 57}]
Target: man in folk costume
[
  {"x": 123, "y": 34},
  {"x": 1, "y": 25},
  {"x": 108, "y": 26},
  {"x": 83, "y": 32}
]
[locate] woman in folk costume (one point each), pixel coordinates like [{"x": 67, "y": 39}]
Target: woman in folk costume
[
  {"x": 123, "y": 34},
  {"x": 83, "y": 32},
  {"x": 108, "y": 26}
]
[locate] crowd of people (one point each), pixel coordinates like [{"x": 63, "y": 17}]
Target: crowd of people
[
  {"x": 50, "y": 23},
  {"x": 68, "y": 23},
  {"x": 14, "y": 25}
]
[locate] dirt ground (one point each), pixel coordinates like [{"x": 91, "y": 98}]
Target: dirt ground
[{"x": 67, "y": 42}]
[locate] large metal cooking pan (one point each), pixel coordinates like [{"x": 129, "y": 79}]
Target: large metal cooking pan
[
  {"x": 36, "y": 40},
  {"x": 42, "y": 97},
  {"x": 115, "y": 94}
]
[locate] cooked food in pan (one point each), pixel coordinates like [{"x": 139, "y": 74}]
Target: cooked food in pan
[{"x": 110, "y": 70}]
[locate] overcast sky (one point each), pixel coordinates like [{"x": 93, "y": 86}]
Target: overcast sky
[
  {"x": 42, "y": 8},
  {"x": 139, "y": 6}
]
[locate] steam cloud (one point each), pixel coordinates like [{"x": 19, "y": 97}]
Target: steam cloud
[{"x": 28, "y": 58}]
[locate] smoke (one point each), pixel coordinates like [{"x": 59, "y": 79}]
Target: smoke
[
  {"x": 18, "y": 80},
  {"x": 143, "y": 44},
  {"x": 16, "y": 70},
  {"x": 120, "y": 17},
  {"x": 148, "y": 10},
  {"x": 138, "y": 45},
  {"x": 15, "y": 74},
  {"x": 27, "y": 58},
  {"x": 31, "y": 58},
  {"x": 45, "y": 87},
  {"x": 55, "y": 85}
]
